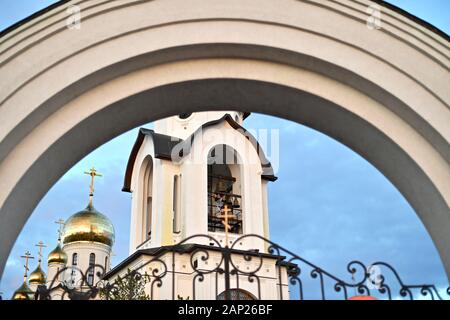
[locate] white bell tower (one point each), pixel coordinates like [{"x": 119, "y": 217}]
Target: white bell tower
[
  {"x": 190, "y": 174},
  {"x": 199, "y": 202}
]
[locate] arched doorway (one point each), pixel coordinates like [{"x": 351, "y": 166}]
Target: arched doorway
[{"x": 236, "y": 294}]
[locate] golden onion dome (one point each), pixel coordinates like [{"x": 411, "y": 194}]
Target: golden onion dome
[
  {"x": 57, "y": 256},
  {"x": 23, "y": 293},
  {"x": 37, "y": 276},
  {"x": 88, "y": 225}
]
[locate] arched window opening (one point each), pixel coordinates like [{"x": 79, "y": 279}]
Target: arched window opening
[
  {"x": 147, "y": 197},
  {"x": 224, "y": 189},
  {"x": 236, "y": 294},
  {"x": 74, "y": 259},
  {"x": 91, "y": 272},
  {"x": 74, "y": 263},
  {"x": 106, "y": 264}
]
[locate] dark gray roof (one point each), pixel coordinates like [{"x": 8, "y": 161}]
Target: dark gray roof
[{"x": 164, "y": 145}]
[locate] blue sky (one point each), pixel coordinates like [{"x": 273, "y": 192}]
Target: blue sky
[{"x": 329, "y": 205}]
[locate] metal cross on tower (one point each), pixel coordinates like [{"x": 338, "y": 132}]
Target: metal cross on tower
[
  {"x": 27, "y": 256},
  {"x": 60, "y": 229},
  {"x": 40, "y": 245},
  {"x": 93, "y": 173},
  {"x": 226, "y": 216}
]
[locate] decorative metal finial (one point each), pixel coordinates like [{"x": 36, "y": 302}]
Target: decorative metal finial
[
  {"x": 226, "y": 216},
  {"x": 40, "y": 245},
  {"x": 354, "y": 283},
  {"x": 27, "y": 256},
  {"x": 93, "y": 173}
]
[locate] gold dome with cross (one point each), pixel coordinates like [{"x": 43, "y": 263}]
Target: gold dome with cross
[{"x": 89, "y": 224}]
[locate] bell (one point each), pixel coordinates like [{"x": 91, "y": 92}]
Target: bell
[{"x": 236, "y": 203}]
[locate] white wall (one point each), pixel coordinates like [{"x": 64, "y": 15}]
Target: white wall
[
  {"x": 84, "y": 249},
  {"x": 182, "y": 128}
]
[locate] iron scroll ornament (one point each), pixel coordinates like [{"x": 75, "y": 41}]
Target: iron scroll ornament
[
  {"x": 354, "y": 268},
  {"x": 386, "y": 285}
]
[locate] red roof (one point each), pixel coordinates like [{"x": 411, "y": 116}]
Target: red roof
[{"x": 362, "y": 298}]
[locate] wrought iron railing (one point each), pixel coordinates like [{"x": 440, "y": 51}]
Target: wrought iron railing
[{"x": 305, "y": 279}]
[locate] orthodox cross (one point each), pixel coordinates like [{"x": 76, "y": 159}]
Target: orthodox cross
[
  {"x": 27, "y": 256},
  {"x": 40, "y": 245},
  {"x": 225, "y": 217},
  {"x": 93, "y": 173},
  {"x": 61, "y": 226}
]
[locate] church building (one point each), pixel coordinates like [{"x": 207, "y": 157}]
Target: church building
[
  {"x": 199, "y": 220},
  {"x": 82, "y": 255},
  {"x": 199, "y": 181}
]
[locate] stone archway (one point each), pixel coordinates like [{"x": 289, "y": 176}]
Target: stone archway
[{"x": 383, "y": 93}]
